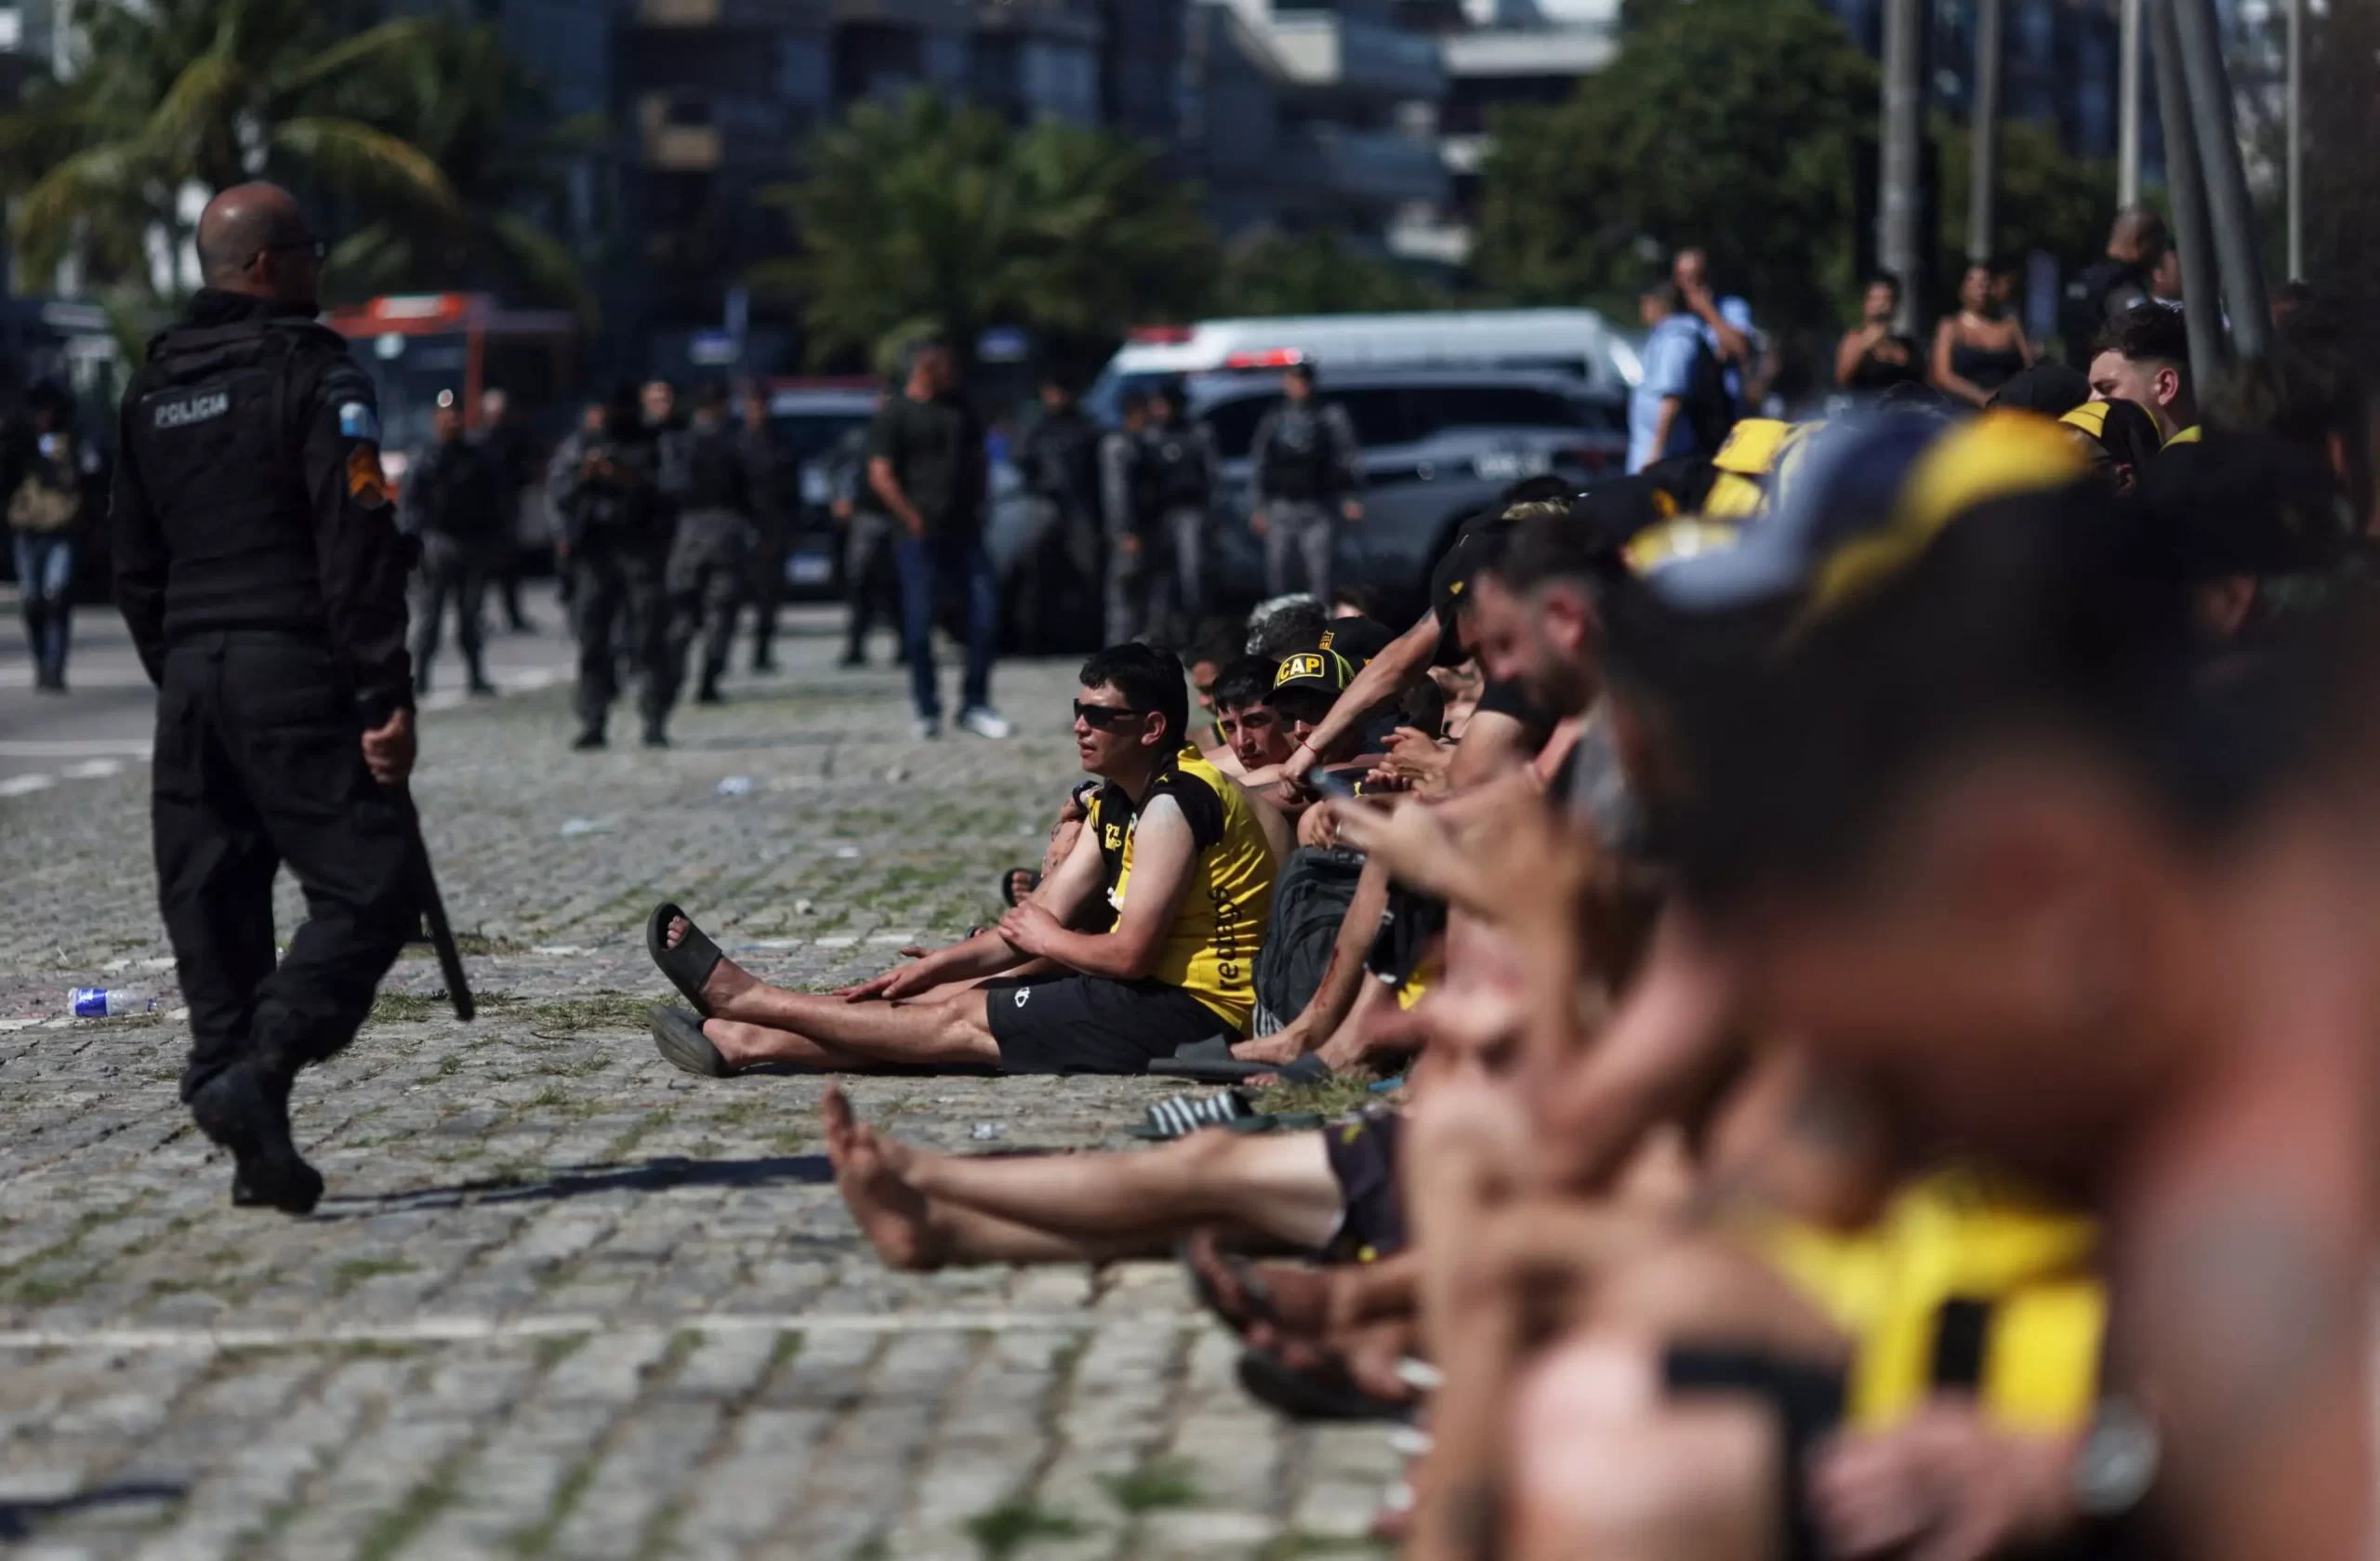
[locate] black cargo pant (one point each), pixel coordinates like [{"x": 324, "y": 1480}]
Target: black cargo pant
[
  {"x": 615, "y": 585},
  {"x": 258, "y": 764},
  {"x": 453, "y": 571},
  {"x": 772, "y": 544},
  {"x": 709, "y": 566}
]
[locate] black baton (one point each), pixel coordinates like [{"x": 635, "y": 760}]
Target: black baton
[{"x": 434, "y": 908}]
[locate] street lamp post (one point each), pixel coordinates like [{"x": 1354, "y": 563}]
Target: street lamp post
[
  {"x": 1983, "y": 133},
  {"x": 1904, "y": 130},
  {"x": 2296, "y": 123},
  {"x": 2128, "y": 108}
]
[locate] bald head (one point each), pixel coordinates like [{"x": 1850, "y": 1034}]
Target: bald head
[
  {"x": 2138, "y": 235},
  {"x": 253, "y": 239}
]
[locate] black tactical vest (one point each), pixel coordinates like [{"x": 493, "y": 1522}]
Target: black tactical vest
[{"x": 218, "y": 447}]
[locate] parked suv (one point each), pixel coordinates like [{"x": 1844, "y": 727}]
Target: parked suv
[{"x": 1437, "y": 445}]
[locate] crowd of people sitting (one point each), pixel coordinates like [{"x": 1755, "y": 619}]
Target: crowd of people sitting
[{"x": 1870, "y": 932}]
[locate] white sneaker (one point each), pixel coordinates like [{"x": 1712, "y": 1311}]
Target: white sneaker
[
  {"x": 984, "y": 722},
  {"x": 927, "y": 728}
]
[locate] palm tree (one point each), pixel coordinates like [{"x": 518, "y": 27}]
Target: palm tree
[
  {"x": 924, "y": 215},
  {"x": 483, "y": 119},
  {"x": 184, "y": 96}
]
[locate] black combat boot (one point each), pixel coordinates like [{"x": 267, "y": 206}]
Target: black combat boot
[{"x": 245, "y": 1108}]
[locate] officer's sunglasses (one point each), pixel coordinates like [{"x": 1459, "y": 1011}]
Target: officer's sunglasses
[
  {"x": 319, "y": 249},
  {"x": 1101, "y": 718}
]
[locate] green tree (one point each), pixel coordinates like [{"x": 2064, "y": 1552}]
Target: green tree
[
  {"x": 1271, "y": 272},
  {"x": 1733, "y": 124},
  {"x": 927, "y": 216},
  {"x": 488, "y": 123},
  {"x": 2048, "y": 200},
  {"x": 204, "y": 94}
]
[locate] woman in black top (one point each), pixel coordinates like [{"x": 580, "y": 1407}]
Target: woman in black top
[
  {"x": 1871, "y": 359},
  {"x": 1980, "y": 347}
]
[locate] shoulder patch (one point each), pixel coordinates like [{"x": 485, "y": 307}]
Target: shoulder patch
[
  {"x": 366, "y": 484},
  {"x": 357, "y": 420}
]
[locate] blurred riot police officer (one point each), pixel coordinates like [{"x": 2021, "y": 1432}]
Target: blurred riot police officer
[
  {"x": 259, "y": 569},
  {"x": 764, "y": 468},
  {"x": 616, "y": 526},
  {"x": 456, "y": 503},
  {"x": 710, "y": 561}
]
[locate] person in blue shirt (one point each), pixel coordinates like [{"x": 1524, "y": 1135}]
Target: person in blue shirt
[{"x": 1658, "y": 425}]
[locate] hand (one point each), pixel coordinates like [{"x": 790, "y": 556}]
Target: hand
[
  {"x": 1416, "y": 759},
  {"x": 1944, "y": 1486},
  {"x": 1411, "y": 839},
  {"x": 915, "y": 525},
  {"x": 1129, "y": 545},
  {"x": 1317, "y": 828},
  {"x": 1353, "y": 509},
  {"x": 903, "y": 981},
  {"x": 1294, "y": 769},
  {"x": 388, "y": 750},
  {"x": 1030, "y": 929},
  {"x": 1257, "y": 523}
]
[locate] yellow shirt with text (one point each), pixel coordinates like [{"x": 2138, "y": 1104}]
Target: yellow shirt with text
[{"x": 1209, "y": 952}]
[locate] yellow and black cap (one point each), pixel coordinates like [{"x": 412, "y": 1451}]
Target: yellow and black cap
[{"x": 1314, "y": 669}]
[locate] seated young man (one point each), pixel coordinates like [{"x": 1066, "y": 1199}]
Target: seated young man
[{"x": 1175, "y": 848}]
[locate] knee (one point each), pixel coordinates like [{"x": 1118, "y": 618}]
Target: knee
[{"x": 1602, "y": 1466}]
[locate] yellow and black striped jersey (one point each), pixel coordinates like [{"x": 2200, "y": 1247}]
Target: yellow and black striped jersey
[{"x": 1210, "y": 950}]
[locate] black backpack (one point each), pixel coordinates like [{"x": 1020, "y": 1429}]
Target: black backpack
[
  {"x": 1309, "y": 901},
  {"x": 1709, "y": 410}
]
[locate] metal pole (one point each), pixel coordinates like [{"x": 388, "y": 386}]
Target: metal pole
[
  {"x": 2233, "y": 217},
  {"x": 2128, "y": 109},
  {"x": 2296, "y": 162},
  {"x": 2201, "y": 289},
  {"x": 1904, "y": 129},
  {"x": 1983, "y": 133}
]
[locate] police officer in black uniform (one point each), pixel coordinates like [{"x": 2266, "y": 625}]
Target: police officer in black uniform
[
  {"x": 711, "y": 558},
  {"x": 615, "y": 533},
  {"x": 1181, "y": 457},
  {"x": 458, "y": 506},
  {"x": 764, "y": 469},
  {"x": 259, "y": 569}
]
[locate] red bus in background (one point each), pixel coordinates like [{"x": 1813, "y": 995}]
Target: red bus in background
[{"x": 415, "y": 345}]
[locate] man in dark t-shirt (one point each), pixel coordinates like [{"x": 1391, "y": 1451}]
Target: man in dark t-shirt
[{"x": 925, "y": 462}]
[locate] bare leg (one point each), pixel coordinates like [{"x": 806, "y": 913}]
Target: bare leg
[
  {"x": 832, "y": 1032},
  {"x": 1279, "y": 1186},
  {"x": 911, "y": 1231}
]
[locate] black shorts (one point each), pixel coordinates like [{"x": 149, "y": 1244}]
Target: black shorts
[
  {"x": 1088, "y": 1024},
  {"x": 1806, "y": 1401},
  {"x": 1363, "y": 1156}
]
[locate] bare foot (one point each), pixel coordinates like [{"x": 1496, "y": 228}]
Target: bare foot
[
  {"x": 1282, "y": 1047},
  {"x": 728, "y": 980},
  {"x": 891, "y": 1214}
]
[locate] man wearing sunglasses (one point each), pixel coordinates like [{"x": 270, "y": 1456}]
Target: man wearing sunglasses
[
  {"x": 1172, "y": 843},
  {"x": 259, "y": 569}
]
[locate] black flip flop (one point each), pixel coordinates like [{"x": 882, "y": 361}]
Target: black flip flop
[
  {"x": 1008, "y": 883},
  {"x": 689, "y": 965},
  {"x": 1211, "y": 1064},
  {"x": 1327, "y": 1395},
  {"x": 678, "y": 1036},
  {"x": 1252, "y": 1289}
]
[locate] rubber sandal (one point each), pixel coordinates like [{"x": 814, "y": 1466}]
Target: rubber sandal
[
  {"x": 1327, "y": 1394},
  {"x": 1009, "y": 896},
  {"x": 1253, "y": 1290},
  {"x": 678, "y": 1036},
  {"x": 1180, "y": 1116},
  {"x": 689, "y": 965},
  {"x": 1210, "y": 1062}
]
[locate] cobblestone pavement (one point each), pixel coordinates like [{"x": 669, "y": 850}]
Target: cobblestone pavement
[{"x": 563, "y": 1300}]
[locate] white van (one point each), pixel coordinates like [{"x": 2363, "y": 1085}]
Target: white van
[{"x": 1572, "y": 342}]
